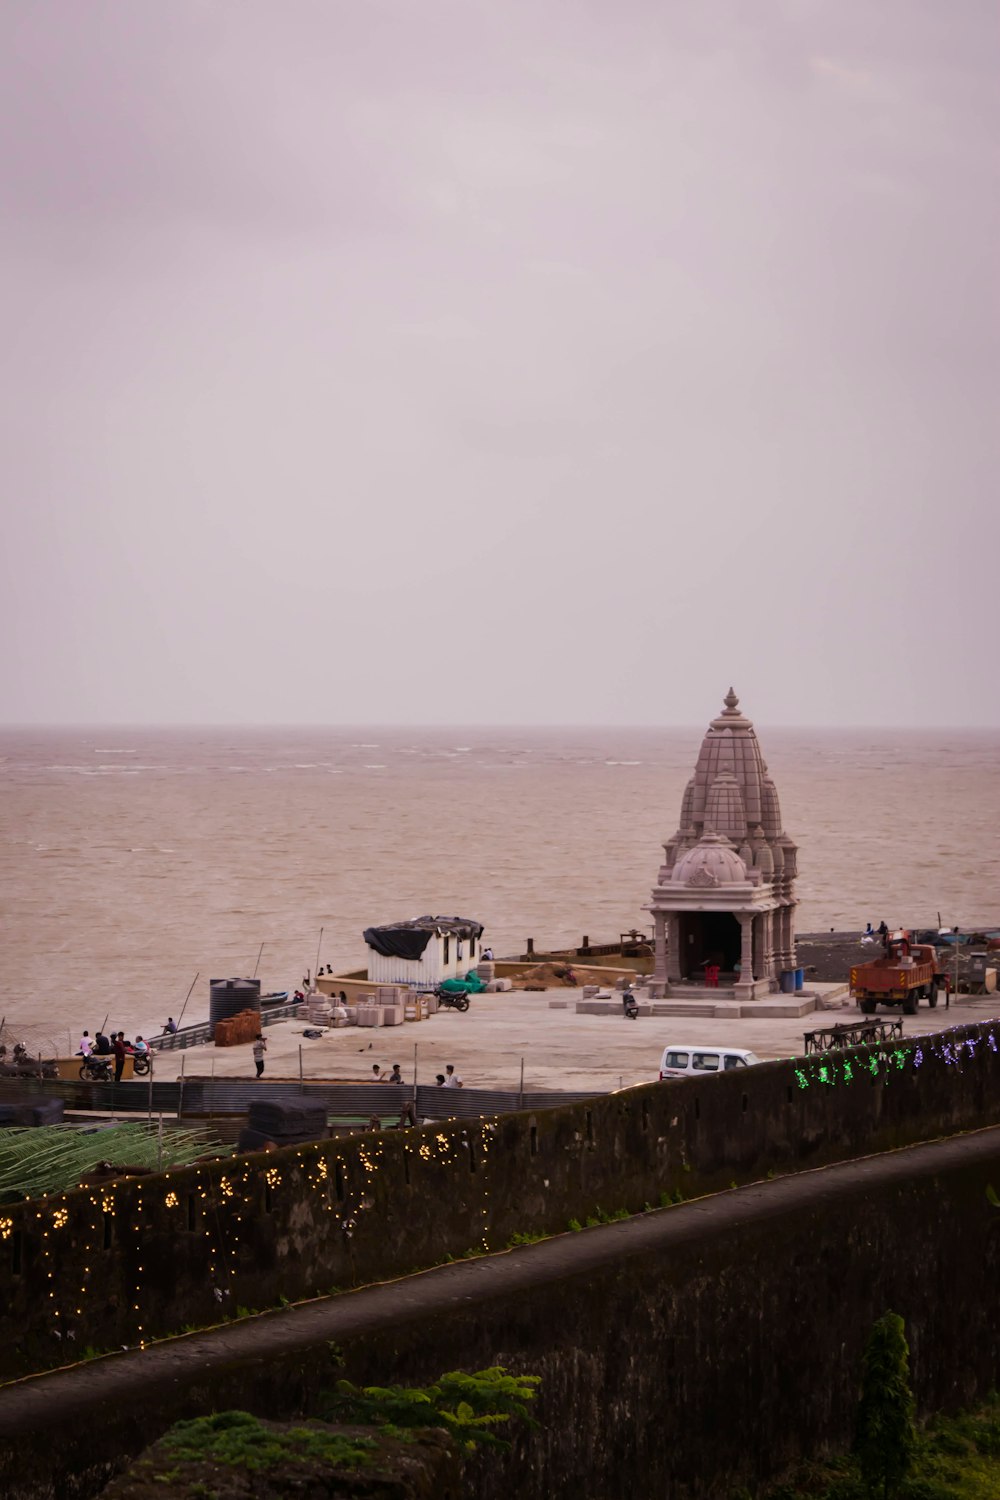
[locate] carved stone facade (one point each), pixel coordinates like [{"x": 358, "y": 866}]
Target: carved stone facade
[{"x": 725, "y": 895}]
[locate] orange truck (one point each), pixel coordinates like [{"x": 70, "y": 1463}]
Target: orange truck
[{"x": 905, "y": 974}]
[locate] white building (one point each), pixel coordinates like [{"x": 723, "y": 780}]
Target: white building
[{"x": 424, "y": 951}]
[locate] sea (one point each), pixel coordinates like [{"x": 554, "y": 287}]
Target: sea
[{"x": 135, "y": 863}]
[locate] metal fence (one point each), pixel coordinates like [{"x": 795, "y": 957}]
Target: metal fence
[{"x": 200, "y": 1097}]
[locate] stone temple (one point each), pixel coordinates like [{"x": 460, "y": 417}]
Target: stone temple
[{"x": 724, "y": 901}]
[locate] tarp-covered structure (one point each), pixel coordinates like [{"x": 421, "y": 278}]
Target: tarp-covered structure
[{"x": 409, "y": 939}]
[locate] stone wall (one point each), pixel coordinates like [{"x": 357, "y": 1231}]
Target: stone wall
[
  {"x": 686, "y": 1352},
  {"x": 120, "y": 1264}
]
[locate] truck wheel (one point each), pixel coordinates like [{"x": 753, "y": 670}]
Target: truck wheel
[
  {"x": 866, "y": 1007},
  {"x": 910, "y": 1004}
]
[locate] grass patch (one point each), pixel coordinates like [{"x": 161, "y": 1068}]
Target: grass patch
[{"x": 238, "y": 1440}]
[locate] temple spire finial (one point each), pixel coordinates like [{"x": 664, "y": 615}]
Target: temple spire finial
[{"x": 731, "y": 701}]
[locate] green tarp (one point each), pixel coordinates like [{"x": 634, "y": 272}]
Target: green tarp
[{"x": 470, "y": 985}]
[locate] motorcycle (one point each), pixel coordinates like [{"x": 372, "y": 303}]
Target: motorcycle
[
  {"x": 97, "y": 1068},
  {"x": 142, "y": 1063},
  {"x": 453, "y": 999},
  {"x": 630, "y": 1006}
]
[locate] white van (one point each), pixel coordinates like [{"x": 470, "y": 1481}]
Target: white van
[{"x": 696, "y": 1062}]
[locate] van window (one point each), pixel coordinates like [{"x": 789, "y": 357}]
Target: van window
[
  {"x": 677, "y": 1060},
  {"x": 731, "y": 1061},
  {"x": 705, "y": 1062}
]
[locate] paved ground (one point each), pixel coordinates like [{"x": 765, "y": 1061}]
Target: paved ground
[{"x": 561, "y": 1050}]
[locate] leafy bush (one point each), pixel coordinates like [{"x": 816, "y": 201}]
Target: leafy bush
[
  {"x": 886, "y": 1434},
  {"x": 467, "y": 1406}
]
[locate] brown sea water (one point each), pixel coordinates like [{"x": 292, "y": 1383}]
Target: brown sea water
[{"x": 129, "y": 859}]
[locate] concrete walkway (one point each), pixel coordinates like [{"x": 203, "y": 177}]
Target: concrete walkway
[{"x": 84, "y": 1394}]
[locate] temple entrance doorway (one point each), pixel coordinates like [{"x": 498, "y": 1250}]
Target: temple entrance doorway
[{"x": 708, "y": 937}]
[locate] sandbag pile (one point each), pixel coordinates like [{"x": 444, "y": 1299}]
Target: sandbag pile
[
  {"x": 242, "y": 1027},
  {"x": 546, "y": 974}
]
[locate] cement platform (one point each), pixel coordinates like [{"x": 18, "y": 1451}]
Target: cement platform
[{"x": 707, "y": 1003}]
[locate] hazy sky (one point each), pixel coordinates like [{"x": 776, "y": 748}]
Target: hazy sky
[{"x": 499, "y": 360}]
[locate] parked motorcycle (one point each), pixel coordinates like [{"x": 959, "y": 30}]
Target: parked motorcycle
[
  {"x": 630, "y": 1006},
  {"x": 97, "y": 1068},
  {"x": 142, "y": 1063},
  {"x": 453, "y": 999}
]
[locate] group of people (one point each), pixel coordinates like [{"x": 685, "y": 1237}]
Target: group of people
[
  {"x": 115, "y": 1045},
  {"x": 449, "y": 1079}
]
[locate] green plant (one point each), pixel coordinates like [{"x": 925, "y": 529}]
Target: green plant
[
  {"x": 468, "y": 1406},
  {"x": 886, "y": 1435},
  {"x": 575, "y": 1225},
  {"x": 528, "y": 1237}
]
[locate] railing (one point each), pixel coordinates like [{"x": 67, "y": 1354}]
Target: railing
[{"x": 201, "y": 1032}]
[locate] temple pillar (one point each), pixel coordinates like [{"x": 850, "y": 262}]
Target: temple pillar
[
  {"x": 660, "y": 947},
  {"x": 673, "y": 950},
  {"x": 768, "y": 965},
  {"x": 746, "y": 949}
]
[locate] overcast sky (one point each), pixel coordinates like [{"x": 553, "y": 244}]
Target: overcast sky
[{"x": 499, "y": 360}]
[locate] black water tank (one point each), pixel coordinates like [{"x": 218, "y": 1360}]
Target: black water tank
[{"x": 227, "y": 997}]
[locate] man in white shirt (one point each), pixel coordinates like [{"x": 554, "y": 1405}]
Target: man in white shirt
[
  {"x": 451, "y": 1078},
  {"x": 86, "y": 1045}
]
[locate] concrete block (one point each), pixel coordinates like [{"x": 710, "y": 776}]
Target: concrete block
[{"x": 559, "y": 1005}]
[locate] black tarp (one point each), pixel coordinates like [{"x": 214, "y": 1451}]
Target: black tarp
[{"x": 409, "y": 939}]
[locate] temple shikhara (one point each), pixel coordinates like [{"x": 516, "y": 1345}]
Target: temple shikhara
[{"x": 724, "y": 902}]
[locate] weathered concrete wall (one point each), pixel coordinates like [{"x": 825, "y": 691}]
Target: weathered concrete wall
[
  {"x": 683, "y": 1353},
  {"x": 117, "y": 1265}
]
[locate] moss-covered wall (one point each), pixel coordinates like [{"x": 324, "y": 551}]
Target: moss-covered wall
[{"x": 117, "y": 1265}]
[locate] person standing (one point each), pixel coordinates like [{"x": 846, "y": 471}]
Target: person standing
[
  {"x": 452, "y": 1080},
  {"x": 119, "y": 1051},
  {"x": 396, "y": 1076},
  {"x": 259, "y": 1048}
]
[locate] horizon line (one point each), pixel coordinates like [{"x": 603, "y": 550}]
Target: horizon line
[{"x": 410, "y": 726}]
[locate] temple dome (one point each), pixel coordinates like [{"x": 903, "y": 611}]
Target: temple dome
[
  {"x": 712, "y": 861},
  {"x": 732, "y": 793}
]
